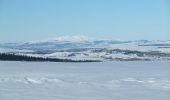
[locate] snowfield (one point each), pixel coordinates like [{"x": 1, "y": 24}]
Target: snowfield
[{"x": 129, "y": 80}]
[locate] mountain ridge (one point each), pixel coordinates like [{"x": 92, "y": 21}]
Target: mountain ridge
[{"x": 105, "y": 50}]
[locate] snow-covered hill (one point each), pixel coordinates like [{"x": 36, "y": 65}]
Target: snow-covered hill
[{"x": 84, "y": 49}]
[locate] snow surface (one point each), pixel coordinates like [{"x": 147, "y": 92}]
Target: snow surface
[{"x": 131, "y": 80}]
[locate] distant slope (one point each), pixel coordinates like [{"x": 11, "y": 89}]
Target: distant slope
[{"x": 91, "y": 50}]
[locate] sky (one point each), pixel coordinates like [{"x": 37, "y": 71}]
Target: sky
[{"x": 28, "y": 20}]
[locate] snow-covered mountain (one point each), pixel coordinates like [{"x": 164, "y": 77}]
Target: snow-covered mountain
[{"x": 84, "y": 49}]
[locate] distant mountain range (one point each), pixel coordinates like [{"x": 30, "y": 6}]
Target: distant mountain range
[{"x": 104, "y": 50}]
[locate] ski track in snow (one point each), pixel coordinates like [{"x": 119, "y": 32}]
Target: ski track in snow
[{"x": 149, "y": 82}]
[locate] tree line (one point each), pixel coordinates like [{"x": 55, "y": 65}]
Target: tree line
[{"x": 14, "y": 57}]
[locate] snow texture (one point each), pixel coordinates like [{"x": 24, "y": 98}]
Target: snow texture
[{"x": 133, "y": 80}]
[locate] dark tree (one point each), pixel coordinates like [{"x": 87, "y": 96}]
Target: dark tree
[{"x": 13, "y": 57}]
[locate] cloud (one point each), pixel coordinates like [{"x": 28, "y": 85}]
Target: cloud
[{"x": 73, "y": 38}]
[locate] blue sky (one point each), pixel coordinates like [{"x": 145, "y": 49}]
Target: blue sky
[{"x": 26, "y": 20}]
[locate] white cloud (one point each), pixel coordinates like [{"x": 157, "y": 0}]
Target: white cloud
[{"x": 73, "y": 38}]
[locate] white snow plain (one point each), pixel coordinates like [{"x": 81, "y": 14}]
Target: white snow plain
[{"x": 131, "y": 80}]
